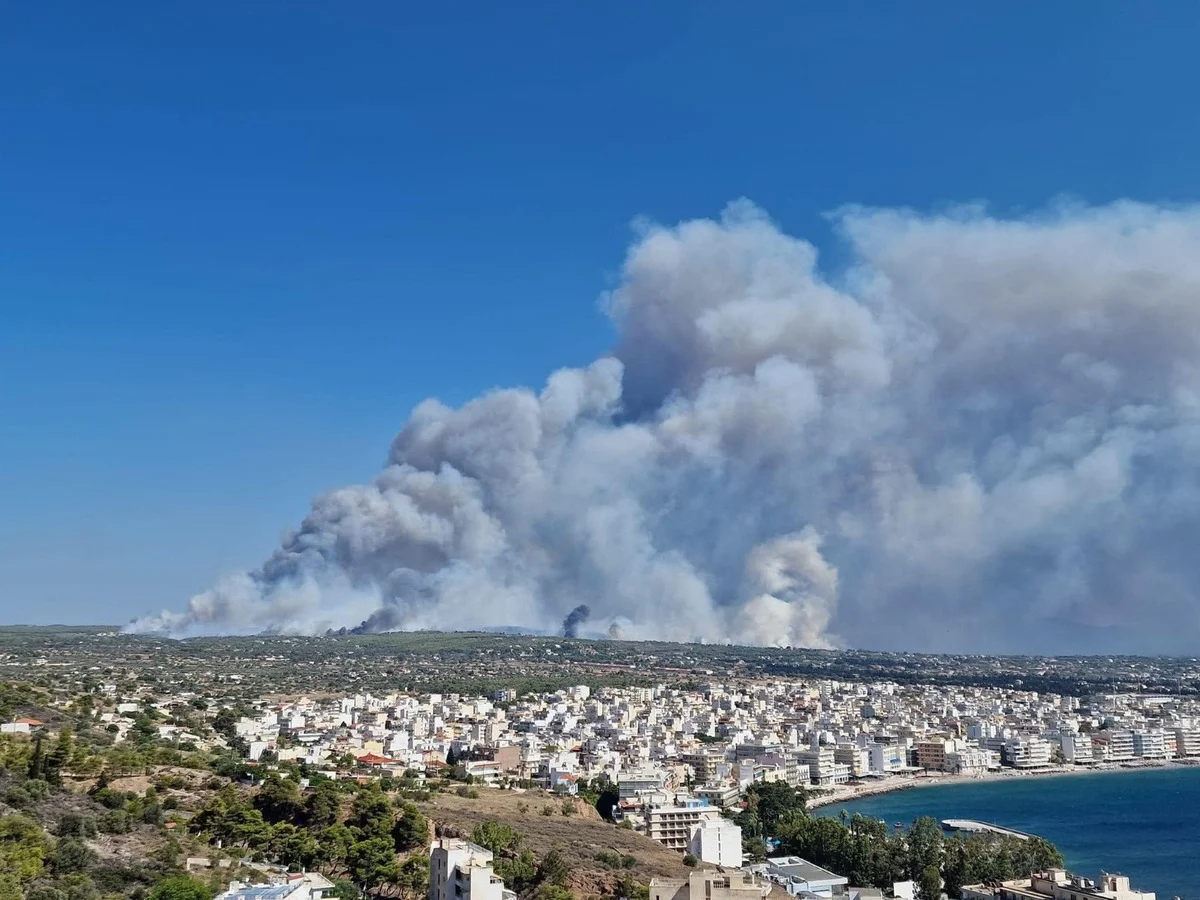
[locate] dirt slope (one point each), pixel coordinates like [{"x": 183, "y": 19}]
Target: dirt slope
[{"x": 579, "y": 837}]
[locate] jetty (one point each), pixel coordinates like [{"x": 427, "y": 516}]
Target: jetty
[{"x": 970, "y": 825}]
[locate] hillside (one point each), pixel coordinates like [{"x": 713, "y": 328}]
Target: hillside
[{"x": 579, "y": 837}]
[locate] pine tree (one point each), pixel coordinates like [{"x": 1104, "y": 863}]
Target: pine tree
[
  {"x": 36, "y": 762},
  {"x": 58, "y": 758}
]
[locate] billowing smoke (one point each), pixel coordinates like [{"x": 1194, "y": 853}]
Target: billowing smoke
[
  {"x": 979, "y": 434},
  {"x": 575, "y": 618}
]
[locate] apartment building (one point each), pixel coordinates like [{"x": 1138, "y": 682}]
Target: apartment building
[
  {"x": 722, "y": 796},
  {"x": 673, "y": 826},
  {"x": 971, "y": 761},
  {"x": 718, "y": 842},
  {"x": 1114, "y": 745},
  {"x": 1187, "y": 742},
  {"x": 823, "y": 769},
  {"x": 704, "y": 763},
  {"x": 1027, "y": 752},
  {"x": 460, "y": 870},
  {"x": 634, "y": 783},
  {"x": 1150, "y": 744},
  {"x": 858, "y": 759},
  {"x": 931, "y": 754},
  {"x": 886, "y": 757}
]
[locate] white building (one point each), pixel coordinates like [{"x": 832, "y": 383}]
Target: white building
[
  {"x": 1077, "y": 748},
  {"x": 634, "y": 783},
  {"x": 460, "y": 870},
  {"x": 718, "y": 842},
  {"x": 1187, "y": 742},
  {"x": 886, "y": 757},
  {"x": 1027, "y": 752},
  {"x": 799, "y": 876},
  {"x": 1115, "y": 745},
  {"x": 1150, "y": 744},
  {"x": 969, "y": 761},
  {"x": 673, "y": 826}
]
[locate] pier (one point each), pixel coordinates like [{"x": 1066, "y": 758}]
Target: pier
[{"x": 970, "y": 825}]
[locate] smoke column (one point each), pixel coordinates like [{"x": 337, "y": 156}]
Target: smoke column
[
  {"x": 978, "y": 434},
  {"x": 574, "y": 619}
]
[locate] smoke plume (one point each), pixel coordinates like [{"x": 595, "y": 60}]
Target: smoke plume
[
  {"x": 978, "y": 434},
  {"x": 575, "y": 618}
]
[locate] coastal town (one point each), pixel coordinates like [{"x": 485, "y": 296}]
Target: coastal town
[{"x": 685, "y": 764}]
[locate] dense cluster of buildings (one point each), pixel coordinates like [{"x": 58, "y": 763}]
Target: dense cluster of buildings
[{"x": 679, "y": 756}]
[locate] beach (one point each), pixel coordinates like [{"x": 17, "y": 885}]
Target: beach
[{"x": 850, "y": 792}]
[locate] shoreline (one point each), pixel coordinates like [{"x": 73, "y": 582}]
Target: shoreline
[{"x": 893, "y": 783}]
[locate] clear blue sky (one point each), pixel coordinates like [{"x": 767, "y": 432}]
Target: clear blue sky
[{"x": 238, "y": 243}]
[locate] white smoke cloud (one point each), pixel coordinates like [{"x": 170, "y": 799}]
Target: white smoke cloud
[{"x": 979, "y": 435}]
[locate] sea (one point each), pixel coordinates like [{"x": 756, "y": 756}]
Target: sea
[{"x": 1144, "y": 824}]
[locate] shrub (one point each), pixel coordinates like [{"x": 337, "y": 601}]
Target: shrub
[{"x": 180, "y": 888}]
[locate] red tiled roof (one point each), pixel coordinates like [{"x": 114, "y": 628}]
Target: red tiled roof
[{"x": 370, "y": 759}]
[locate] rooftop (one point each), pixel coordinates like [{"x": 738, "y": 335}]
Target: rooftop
[{"x": 802, "y": 870}]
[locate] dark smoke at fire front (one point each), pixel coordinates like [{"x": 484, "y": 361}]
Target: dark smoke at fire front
[{"x": 575, "y": 618}]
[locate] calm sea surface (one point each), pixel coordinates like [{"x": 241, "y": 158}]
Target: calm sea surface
[{"x": 1143, "y": 824}]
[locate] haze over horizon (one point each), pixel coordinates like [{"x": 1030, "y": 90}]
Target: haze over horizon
[{"x": 860, "y": 376}]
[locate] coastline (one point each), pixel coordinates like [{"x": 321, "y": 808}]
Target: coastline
[{"x": 893, "y": 783}]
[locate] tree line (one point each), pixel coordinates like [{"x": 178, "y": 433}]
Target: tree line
[{"x": 869, "y": 854}]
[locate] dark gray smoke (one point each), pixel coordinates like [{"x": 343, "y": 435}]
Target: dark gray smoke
[
  {"x": 575, "y": 618},
  {"x": 982, "y": 433}
]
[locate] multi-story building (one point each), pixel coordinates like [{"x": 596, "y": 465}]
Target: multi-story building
[
  {"x": 1027, "y": 752},
  {"x": 704, "y": 762},
  {"x": 1187, "y": 742},
  {"x": 460, "y": 870},
  {"x": 886, "y": 757},
  {"x": 673, "y": 826},
  {"x": 969, "y": 761},
  {"x": 1150, "y": 744},
  {"x": 1076, "y": 748},
  {"x": 858, "y": 759},
  {"x": 717, "y": 841},
  {"x": 634, "y": 783},
  {"x": 822, "y": 767},
  {"x": 931, "y": 754},
  {"x": 1114, "y": 745},
  {"x": 722, "y": 797}
]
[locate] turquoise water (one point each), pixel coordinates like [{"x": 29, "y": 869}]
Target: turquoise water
[{"x": 1144, "y": 824}]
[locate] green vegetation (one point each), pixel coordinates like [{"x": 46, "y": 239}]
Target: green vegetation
[{"x": 865, "y": 852}]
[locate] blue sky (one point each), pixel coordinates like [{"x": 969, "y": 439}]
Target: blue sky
[{"x": 238, "y": 245}]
